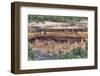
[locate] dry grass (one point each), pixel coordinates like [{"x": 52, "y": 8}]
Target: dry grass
[{"x": 56, "y": 47}]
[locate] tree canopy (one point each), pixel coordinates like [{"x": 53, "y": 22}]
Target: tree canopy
[{"x": 42, "y": 18}]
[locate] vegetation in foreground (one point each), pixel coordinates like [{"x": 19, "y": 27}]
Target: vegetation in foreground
[
  {"x": 30, "y": 52},
  {"x": 76, "y": 53}
]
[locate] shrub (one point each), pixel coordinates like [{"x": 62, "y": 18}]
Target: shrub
[
  {"x": 30, "y": 52},
  {"x": 76, "y": 53}
]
